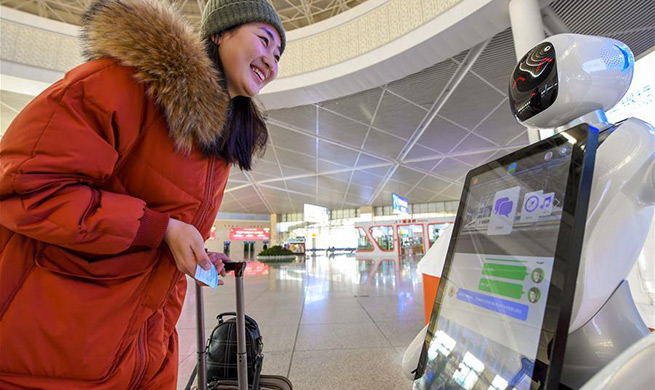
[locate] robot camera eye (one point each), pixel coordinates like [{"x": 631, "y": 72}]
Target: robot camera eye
[{"x": 534, "y": 82}]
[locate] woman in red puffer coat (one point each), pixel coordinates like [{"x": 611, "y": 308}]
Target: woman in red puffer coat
[{"x": 110, "y": 181}]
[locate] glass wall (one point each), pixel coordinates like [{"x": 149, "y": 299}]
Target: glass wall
[
  {"x": 419, "y": 210},
  {"x": 410, "y": 238},
  {"x": 363, "y": 243},
  {"x": 383, "y": 235},
  {"x": 434, "y": 230},
  {"x": 340, "y": 231}
]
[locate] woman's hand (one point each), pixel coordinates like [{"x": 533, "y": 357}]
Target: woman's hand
[
  {"x": 187, "y": 246},
  {"x": 217, "y": 259},
  {"x": 188, "y": 249}
]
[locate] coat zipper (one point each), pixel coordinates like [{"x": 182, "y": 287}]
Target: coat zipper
[
  {"x": 208, "y": 186},
  {"x": 140, "y": 370},
  {"x": 199, "y": 217}
]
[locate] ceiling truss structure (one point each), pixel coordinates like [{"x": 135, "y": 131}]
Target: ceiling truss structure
[
  {"x": 293, "y": 13},
  {"x": 445, "y": 94}
]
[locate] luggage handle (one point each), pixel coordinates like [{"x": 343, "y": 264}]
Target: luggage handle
[
  {"x": 249, "y": 320},
  {"x": 237, "y": 266},
  {"x": 242, "y": 373}
]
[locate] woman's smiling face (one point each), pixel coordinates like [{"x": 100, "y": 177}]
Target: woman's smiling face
[{"x": 249, "y": 54}]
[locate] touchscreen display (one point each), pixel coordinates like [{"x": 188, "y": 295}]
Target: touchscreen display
[{"x": 493, "y": 301}]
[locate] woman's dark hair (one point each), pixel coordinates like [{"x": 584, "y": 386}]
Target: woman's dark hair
[{"x": 245, "y": 133}]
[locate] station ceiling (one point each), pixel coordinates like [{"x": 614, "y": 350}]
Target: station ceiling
[
  {"x": 403, "y": 137},
  {"x": 357, "y": 150}
]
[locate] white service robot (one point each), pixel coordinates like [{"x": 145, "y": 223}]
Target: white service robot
[{"x": 609, "y": 346}]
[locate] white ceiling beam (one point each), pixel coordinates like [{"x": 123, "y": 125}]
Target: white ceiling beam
[
  {"x": 201, "y": 5},
  {"x": 460, "y": 154},
  {"x": 258, "y": 191},
  {"x": 238, "y": 202},
  {"x": 334, "y": 10},
  {"x": 182, "y": 6},
  {"x": 279, "y": 166},
  {"x": 369, "y": 124},
  {"x": 428, "y": 173},
  {"x": 325, "y": 139},
  {"x": 288, "y": 191},
  {"x": 301, "y": 193},
  {"x": 80, "y": 8},
  {"x": 41, "y": 9},
  {"x": 309, "y": 175},
  {"x": 307, "y": 10},
  {"x": 291, "y": 6},
  {"x": 441, "y": 100},
  {"x": 443, "y": 97},
  {"x": 368, "y": 131},
  {"x": 337, "y": 143},
  {"x": 326, "y": 173},
  {"x": 514, "y": 147},
  {"x": 500, "y": 91},
  {"x": 10, "y": 108}
]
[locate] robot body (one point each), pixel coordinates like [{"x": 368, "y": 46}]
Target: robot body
[
  {"x": 565, "y": 80},
  {"x": 621, "y": 210}
]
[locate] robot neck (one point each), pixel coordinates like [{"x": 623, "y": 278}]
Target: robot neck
[{"x": 597, "y": 118}]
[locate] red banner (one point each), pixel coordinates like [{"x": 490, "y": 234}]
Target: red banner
[{"x": 249, "y": 234}]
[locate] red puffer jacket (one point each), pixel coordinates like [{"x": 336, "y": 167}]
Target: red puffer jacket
[{"x": 90, "y": 172}]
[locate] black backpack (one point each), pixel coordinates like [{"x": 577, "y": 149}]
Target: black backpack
[{"x": 222, "y": 350}]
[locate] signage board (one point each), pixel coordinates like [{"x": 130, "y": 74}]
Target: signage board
[
  {"x": 314, "y": 213},
  {"x": 248, "y": 234},
  {"x": 399, "y": 204}
]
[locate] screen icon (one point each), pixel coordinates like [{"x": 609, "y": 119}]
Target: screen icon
[
  {"x": 511, "y": 168},
  {"x": 534, "y": 294},
  {"x": 548, "y": 156},
  {"x": 503, "y": 206},
  {"x": 536, "y": 204},
  {"x": 504, "y": 211},
  {"x": 531, "y": 203},
  {"x": 547, "y": 204}
]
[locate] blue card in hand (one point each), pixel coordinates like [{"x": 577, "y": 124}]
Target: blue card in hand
[{"x": 208, "y": 277}]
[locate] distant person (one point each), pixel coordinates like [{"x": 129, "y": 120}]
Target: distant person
[{"x": 110, "y": 181}]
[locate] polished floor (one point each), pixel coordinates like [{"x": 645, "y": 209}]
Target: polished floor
[{"x": 338, "y": 323}]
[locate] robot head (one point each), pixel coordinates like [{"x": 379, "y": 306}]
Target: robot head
[{"x": 567, "y": 76}]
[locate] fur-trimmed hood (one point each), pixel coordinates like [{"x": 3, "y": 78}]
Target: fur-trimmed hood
[{"x": 169, "y": 56}]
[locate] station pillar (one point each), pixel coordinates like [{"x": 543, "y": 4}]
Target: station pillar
[{"x": 273, "y": 230}]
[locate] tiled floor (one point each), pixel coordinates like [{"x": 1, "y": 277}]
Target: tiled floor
[{"x": 339, "y": 323}]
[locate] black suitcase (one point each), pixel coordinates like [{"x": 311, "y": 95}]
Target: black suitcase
[{"x": 266, "y": 382}]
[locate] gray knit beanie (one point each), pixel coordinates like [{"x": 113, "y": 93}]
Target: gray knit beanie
[{"x": 221, "y": 15}]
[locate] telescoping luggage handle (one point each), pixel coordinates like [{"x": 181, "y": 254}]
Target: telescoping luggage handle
[{"x": 242, "y": 364}]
